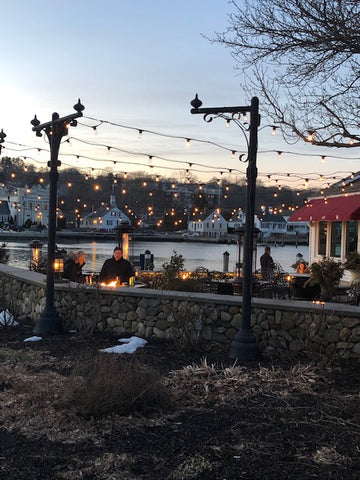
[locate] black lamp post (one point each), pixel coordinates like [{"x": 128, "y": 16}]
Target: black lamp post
[
  {"x": 2, "y": 138},
  {"x": 49, "y": 321},
  {"x": 244, "y": 346}
]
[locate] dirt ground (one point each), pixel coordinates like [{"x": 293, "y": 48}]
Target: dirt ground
[{"x": 273, "y": 420}]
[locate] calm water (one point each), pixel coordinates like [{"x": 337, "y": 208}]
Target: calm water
[{"x": 196, "y": 254}]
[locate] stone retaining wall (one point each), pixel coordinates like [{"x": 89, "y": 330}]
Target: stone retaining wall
[{"x": 279, "y": 326}]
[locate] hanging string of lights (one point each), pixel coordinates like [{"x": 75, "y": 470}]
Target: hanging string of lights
[
  {"x": 296, "y": 180},
  {"x": 275, "y": 176}
]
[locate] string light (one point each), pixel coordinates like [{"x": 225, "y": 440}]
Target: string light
[{"x": 310, "y": 136}]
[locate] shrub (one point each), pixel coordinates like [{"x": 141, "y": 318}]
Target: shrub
[
  {"x": 171, "y": 272},
  {"x": 352, "y": 261},
  {"x": 104, "y": 386},
  {"x": 186, "y": 326},
  {"x": 326, "y": 273}
]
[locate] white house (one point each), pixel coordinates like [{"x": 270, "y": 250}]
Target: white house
[
  {"x": 296, "y": 228},
  {"x": 105, "y": 218},
  {"x": 272, "y": 224},
  {"x": 27, "y": 204},
  {"x": 208, "y": 225},
  {"x": 238, "y": 219}
]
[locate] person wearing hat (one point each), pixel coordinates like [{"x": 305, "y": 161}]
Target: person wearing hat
[
  {"x": 73, "y": 266},
  {"x": 116, "y": 267}
]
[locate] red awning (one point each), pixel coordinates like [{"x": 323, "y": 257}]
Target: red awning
[{"x": 334, "y": 208}]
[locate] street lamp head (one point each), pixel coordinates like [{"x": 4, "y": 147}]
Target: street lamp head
[
  {"x": 196, "y": 103},
  {"x": 35, "y": 122},
  {"x": 79, "y": 108},
  {"x": 2, "y": 136}
]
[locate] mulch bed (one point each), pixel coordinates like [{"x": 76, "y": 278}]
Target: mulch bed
[{"x": 280, "y": 419}]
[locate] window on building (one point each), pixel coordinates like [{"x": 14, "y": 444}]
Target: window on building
[
  {"x": 335, "y": 245},
  {"x": 351, "y": 236},
  {"x": 322, "y": 238}
]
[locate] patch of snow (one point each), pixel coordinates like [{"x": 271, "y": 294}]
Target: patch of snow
[
  {"x": 130, "y": 345},
  {"x": 33, "y": 339},
  {"x": 7, "y": 318}
]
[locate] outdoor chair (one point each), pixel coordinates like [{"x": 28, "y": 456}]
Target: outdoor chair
[{"x": 276, "y": 285}]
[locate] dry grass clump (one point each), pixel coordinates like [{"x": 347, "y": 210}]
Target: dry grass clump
[{"x": 105, "y": 385}]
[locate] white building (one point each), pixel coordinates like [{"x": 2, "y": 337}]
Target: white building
[
  {"x": 238, "y": 220},
  {"x": 272, "y": 225},
  {"x": 208, "y": 225},
  {"x": 105, "y": 218},
  {"x": 27, "y": 204}
]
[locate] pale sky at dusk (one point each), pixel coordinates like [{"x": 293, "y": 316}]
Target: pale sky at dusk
[{"x": 138, "y": 64}]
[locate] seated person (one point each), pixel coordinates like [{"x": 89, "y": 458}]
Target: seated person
[
  {"x": 267, "y": 264},
  {"x": 116, "y": 266},
  {"x": 302, "y": 267},
  {"x": 73, "y": 266}
]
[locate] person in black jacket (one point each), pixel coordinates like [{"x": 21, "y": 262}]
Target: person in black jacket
[
  {"x": 73, "y": 266},
  {"x": 267, "y": 264},
  {"x": 116, "y": 266}
]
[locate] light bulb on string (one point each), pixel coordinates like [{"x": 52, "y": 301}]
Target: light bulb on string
[
  {"x": 188, "y": 142},
  {"x": 140, "y": 133},
  {"x": 228, "y": 123},
  {"x": 95, "y": 130},
  {"x": 310, "y": 136},
  {"x": 323, "y": 159},
  {"x": 273, "y": 132}
]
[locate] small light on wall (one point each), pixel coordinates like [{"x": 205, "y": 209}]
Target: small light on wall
[{"x": 58, "y": 266}]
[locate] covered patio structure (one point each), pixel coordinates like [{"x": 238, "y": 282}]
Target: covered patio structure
[{"x": 334, "y": 225}]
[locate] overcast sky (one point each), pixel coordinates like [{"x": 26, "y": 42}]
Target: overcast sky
[{"x": 134, "y": 63}]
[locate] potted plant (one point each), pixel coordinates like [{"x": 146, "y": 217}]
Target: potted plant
[
  {"x": 352, "y": 263},
  {"x": 327, "y": 274}
]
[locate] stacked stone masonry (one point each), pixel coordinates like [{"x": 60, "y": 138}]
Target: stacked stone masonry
[{"x": 279, "y": 326}]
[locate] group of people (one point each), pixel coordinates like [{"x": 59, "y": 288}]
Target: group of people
[
  {"x": 113, "y": 268},
  {"x": 267, "y": 265},
  {"x": 117, "y": 267}
]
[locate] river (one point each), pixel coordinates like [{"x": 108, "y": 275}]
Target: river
[{"x": 196, "y": 254}]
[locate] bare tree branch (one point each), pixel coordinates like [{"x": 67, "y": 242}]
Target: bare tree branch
[{"x": 303, "y": 58}]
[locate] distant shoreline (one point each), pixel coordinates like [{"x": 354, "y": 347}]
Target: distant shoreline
[{"x": 138, "y": 237}]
